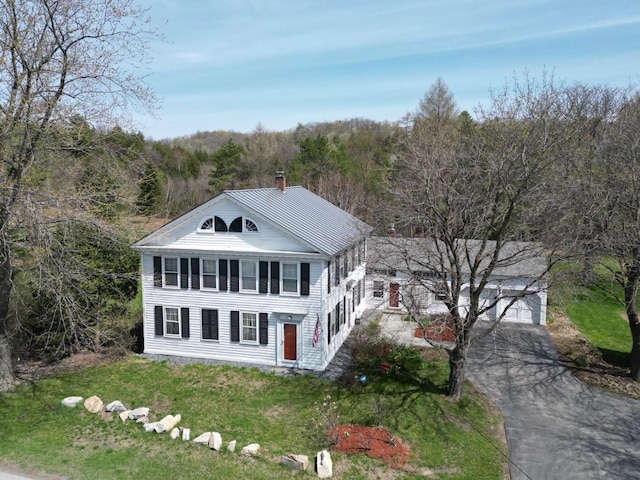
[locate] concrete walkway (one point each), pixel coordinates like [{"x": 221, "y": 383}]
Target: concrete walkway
[{"x": 556, "y": 426}]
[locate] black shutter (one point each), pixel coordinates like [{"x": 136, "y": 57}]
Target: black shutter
[
  {"x": 264, "y": 277},
  {"x": 337, "y": 318},
  {"x": 184, "y": 273},
  {"x": 235, "y": 326},
  {"x": 157, "y": 271},
  {"x": 184, "y": 319},
  {"x": 304, "y": 276},
  {"x": 264, "y": 328},
  {"x": 205, "y": 328},
  {"x": 210, "y": 324},
  {"x": 214, "y": 324},
  {"x": 222, "y": 271},
  {"x": 195, "y": 273},
  {"x": 329, "y": 276},
  {"x": 329, "y": 332},
  {"x": 159, "y": 321},
  {"x": 235, "y": 274},
  {"x": 275, "y": 277}
]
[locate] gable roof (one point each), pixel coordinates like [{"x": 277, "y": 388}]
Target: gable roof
[
  {"x": 313, "y": 220},
  {"x": 317, "y": 222},
  {"x": 515, "y": 259}
]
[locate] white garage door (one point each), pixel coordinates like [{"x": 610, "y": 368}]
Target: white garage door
[{"x": 521, "y": 311}]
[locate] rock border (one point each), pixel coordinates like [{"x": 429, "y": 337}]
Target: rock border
[{"x": 212, "y": 439}]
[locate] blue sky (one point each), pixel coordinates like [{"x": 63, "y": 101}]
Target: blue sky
[{"x": 231, "y": 64}]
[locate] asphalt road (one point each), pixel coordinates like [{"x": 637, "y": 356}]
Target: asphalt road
[{"x": 556, "y": 426}]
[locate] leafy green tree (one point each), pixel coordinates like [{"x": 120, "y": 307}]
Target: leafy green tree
[{"x": 87, "y": 307}]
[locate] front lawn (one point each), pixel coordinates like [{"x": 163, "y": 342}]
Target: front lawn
[{"x": 448, "y": 439}]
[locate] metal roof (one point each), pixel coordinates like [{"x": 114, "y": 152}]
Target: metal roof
[
  {"x": 319, "y": 223},
  {"x": 515, "y": 259}
]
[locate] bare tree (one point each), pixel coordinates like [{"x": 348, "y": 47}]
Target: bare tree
[
  {"x": 608, "y": 204},
  {"x": 477, "y": 196},
  {"x": 60, "y": 58}
]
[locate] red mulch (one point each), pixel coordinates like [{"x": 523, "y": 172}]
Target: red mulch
[
  {"x": 376, "y": 442},
  {"x": 437, "y": 332}
]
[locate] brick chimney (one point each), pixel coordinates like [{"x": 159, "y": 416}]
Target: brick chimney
[{"x": 281, "y": 181}]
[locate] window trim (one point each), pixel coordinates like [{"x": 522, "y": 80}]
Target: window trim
[
  {"x": 165, "y": 284},
  {"x": 256, "y": 276},
  {"x": 178, "y": 320},
  {"x": 203, "y": 274},
  {"x": 256, "y": 328},
  {"x": 282, "y": 279}
]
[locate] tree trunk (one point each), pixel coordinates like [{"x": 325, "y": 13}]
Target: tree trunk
[
  {"x": 587, "y": 274},
  {"x": 457, "y": 364},
  {"x": 630, "y": 299},
  {"x": 635, "y": 351},
  {"x": 7, "y": 379}
]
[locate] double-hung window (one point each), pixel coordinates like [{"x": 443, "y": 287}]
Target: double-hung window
[
  {"x": 249, "y": 276},
  {"x": 378, "y": 289},
  {"x": 249, "y": 328},
  {"x": 209, "y": 273},
  {"x": 290, "y": 276},
  {"x": 171, "y": 272},
  {"x": 172, "y": 321}
]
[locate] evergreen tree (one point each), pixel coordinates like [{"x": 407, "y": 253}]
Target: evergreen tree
[{"x": 150, "y": 192}]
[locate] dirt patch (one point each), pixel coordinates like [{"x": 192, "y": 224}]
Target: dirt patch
[
  {"x": 585, "y": 362},
  {"x": 33, "y": 371},
  {"x": 376, "y": 442}
]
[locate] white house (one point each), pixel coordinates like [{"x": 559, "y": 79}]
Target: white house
[
  {"x": 270, "y": 276},
  {"x": 409, "y": 274}
]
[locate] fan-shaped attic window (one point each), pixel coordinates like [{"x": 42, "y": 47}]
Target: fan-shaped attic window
[
  {"x": 250, "y": 226},
  {"x": 220, "y": 225},
  {"x": 213, "y": 224},
  {"x": 243, "y": 224},
  {"x": 236, "y": 225}
]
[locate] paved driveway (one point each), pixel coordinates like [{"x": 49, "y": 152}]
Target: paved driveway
[{"x": 556, "y": 426}]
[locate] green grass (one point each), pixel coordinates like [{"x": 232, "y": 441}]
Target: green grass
[
  {"x": 603, "y": 322},
  {"x": 281, "y": 414},
  {"x": 599, "y": 318}
]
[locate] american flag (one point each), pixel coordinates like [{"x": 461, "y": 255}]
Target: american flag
[{"x": 316, "y": 334}]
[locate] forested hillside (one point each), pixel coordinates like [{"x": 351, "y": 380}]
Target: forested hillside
[{"x": 344, "y": 161}]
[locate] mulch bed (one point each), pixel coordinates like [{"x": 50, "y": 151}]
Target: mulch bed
[
  {"x": 376, "y": 442},
  {"x": 437, "y": 332}
]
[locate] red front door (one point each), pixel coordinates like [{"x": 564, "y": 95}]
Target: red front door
[
  {"x": 290, "y": 341},
  {"x": 394, "y": 294}
]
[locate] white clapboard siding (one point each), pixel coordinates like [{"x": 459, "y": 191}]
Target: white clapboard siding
[
  {"x": 186, "y": 235},
  {"x": 309, "y": 308}
]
